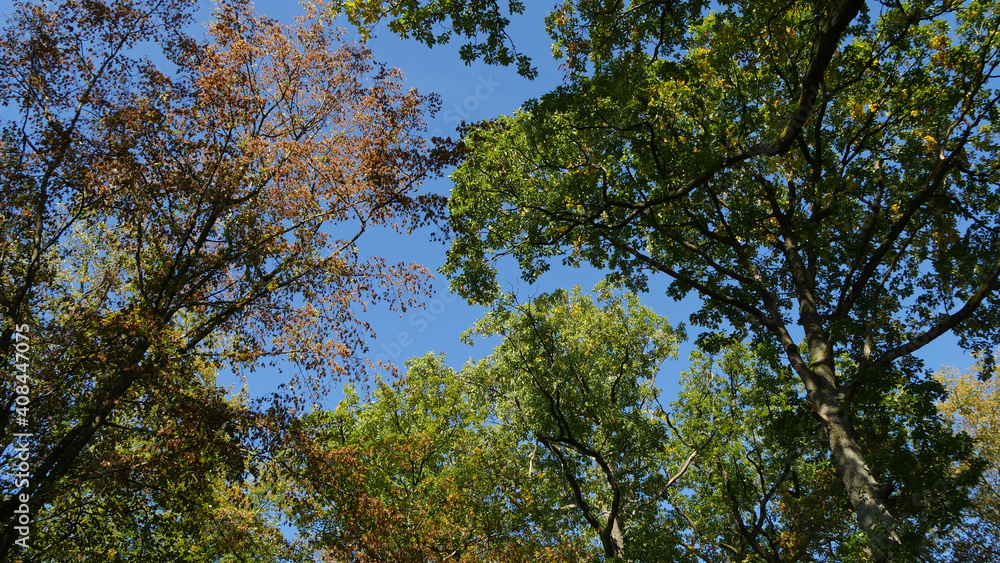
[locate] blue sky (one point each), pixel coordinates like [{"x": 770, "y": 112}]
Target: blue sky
[
  {"x": 471, "y": 93},
  {"x": 468, "y": 93}
]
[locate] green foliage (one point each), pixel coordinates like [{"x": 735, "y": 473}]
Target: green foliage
[
  {"x": 553, "y": 448},
  {"x": 434, "y": 22},
  {"x": 749, "y": 495},
  {"x": 574, "y": 382},
  {"x": 808, "y": 164},
  {"x": 171, "y": 480},
  {"x": 414, "y": 474},
  {"x": 823, "y": 176},
  {"x": 971, "y": 408},
  {"x": 766, "y": 490}
]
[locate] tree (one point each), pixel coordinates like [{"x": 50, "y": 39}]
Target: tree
[
  {"x": 971, "y": 408},
  {"x": 552, "y": 448},
  {"x": 170, "y": 480},
  {"x": 435, "y": 22},
  {"x": 206, "y": 208},
  {"x": 822, "y": 175},
  {"x": 573, "y": 381},
  {"x": 766, "y": 489},
  {"x": 740, "y": 500},
  {"x": 416, "y": 473}
]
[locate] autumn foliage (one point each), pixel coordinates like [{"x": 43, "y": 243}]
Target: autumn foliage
[
  {"x": 182, "y": 203},
  {"x": 166, "y": 215}
]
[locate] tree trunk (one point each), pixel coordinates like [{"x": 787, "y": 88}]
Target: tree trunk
[
  {"x": 865, "y": 492},
  {"x": 826, "y": 398},
  {"x": 614, "y": 541}
]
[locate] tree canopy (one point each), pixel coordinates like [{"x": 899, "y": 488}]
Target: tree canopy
[
  {"x": 573, "y": 380},
  {"x": 173, "y": 204},
  {"x": 417, "y": 473},
  {"x": 552, "y": 448},
  {"x": 821, "y": 174},
  {"x": 971, "y": 408}
]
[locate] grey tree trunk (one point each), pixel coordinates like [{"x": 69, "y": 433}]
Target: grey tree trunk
[{"x": 866, "y": 494}]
